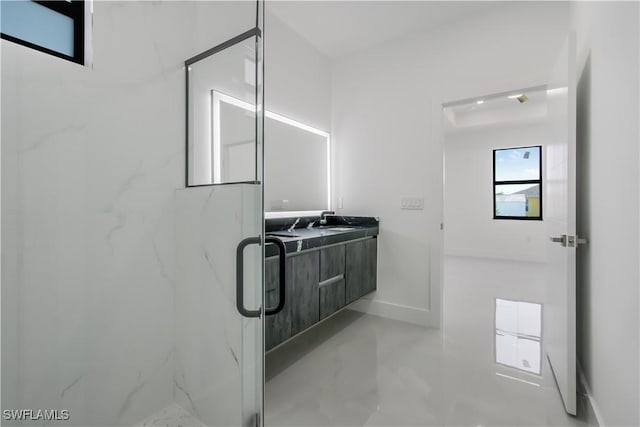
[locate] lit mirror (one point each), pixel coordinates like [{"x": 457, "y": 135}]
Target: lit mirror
[
  {"x": 234, "y": 147},
  {"x": 296, "y": 168},
  {"x": 296, "y": 157}
]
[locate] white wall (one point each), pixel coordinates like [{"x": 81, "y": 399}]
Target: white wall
[
  {"x": 297, "y": 76},
  {"x": 468, "y": 209},
  {"x": 297, "y": 86},
  {"x": 386, "y": 126},
  {"x": 608, "y": 201}
]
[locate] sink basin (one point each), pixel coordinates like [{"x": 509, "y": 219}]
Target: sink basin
[
  {"x": 340, "y": 228},
  {"x": 283, "y": 234}
]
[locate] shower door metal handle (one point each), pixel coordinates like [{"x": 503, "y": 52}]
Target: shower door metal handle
[
  {"x": 240, "y": 277},
  {"x": 282, "y": 257}
]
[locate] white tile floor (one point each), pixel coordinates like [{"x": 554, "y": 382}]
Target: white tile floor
[
  {"x": 362, "y": 370},
  {"x": 173, "y": 415}
]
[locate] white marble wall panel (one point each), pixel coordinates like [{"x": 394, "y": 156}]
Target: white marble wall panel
[
  {"x": 91, "y": 158},
  {"x": 10, "y": 297},
  {"x": 212, "y": 339}
]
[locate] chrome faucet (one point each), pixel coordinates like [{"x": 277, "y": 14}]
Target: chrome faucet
[{"x": 323, "y": 216}]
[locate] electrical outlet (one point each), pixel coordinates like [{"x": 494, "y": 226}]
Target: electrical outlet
[{"x": 412, "y": 203}]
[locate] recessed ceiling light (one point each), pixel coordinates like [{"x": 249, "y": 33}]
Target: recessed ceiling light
[
  {"x": 556, "y": 90},
  {"x": 480, "y": 102}
]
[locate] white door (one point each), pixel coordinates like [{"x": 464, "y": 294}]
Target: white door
[{"x": 560, "y": 219}]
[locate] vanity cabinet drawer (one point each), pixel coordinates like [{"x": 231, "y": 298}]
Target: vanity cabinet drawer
[{"x": 332, "y": 296}]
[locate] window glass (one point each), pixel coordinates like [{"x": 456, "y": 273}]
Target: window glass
[
  {"x": 517, "y": 164},
  {"x": 37, "y": 24},
  {"x": 518, "y": 200},
  {"x": 517, "y": 183}
]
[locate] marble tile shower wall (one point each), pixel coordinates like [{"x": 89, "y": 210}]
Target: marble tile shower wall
[
  {"x": 209, "y": 329},
  {"x": 91, "y": 160}
]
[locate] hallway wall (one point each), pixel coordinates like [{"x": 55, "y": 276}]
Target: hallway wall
[
  {"x": 608, "y": 200},
  {"x": 468, "y": 209}
]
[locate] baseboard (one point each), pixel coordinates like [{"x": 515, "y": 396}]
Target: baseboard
[
  {"x": 404, "y": 313},
  {"x": 515, "y": 256},
  {"x": 594, "y": 417}
]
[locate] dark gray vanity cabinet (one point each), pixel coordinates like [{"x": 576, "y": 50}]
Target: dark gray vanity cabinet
[
  {"x": 319, "y": 283},
  {"x": 361, "y": 268},
  {"x": 301, "y": 309},
  {"x": 332, "y": 282}
]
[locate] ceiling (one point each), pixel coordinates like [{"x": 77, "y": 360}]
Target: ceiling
[
  {"x": 340, "y": 28},
  {"x": 501, "y": 109}
]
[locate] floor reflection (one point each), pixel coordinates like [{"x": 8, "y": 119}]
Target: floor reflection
[
  {"x": 482, "y": 367},
  {"x": 518, "y": 327}
]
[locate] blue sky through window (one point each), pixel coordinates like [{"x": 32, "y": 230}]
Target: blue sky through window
[
  {"x": 37, "y": 24},
  {"x": 517, "y": 164}
]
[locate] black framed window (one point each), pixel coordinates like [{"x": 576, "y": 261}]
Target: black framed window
[
  {"x": 517, "y": 183},
  {"x": 53, "y": 27}
]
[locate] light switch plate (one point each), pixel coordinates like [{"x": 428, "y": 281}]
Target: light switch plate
[{"x": 412, "y": 203}]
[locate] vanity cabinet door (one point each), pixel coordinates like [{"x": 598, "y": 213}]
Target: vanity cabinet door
[
  {"x": 361, "y": 268},
  {"x": 277, "y": 326},
  {"x": 304, "y": 272}
]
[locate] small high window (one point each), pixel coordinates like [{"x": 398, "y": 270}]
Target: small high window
[
  {"x": 517, "y": 183},
  {"x": 53, "y": 27}
]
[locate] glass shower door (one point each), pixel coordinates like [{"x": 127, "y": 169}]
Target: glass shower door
[{"x": 219, "y": 230}]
